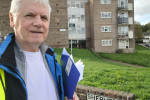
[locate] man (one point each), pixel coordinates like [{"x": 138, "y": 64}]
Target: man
[{"x": 28, "y": 68}]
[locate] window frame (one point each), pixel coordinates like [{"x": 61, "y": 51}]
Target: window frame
[
  {"x": 105, "y": 28},
  {"x": 109, "y": 40},
  {"x": 68, "y": 3},
  {"x": 123, "y": 44},
  {"x": 82, "y": 5},
  {"x": 82, "y": 18},
  {"x": 104, "y": 14},
  {"x": 122, "y": 30},
  {"x": 74, "y": 4},
  {"x": 103, "y": 2},
  {"x": 82, "y": 31}
]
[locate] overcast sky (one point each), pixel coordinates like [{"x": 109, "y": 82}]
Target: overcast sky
[{"x": 142, "y": 11}]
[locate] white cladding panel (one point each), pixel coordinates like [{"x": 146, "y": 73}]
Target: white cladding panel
[
  {"x": 130, "y": 6},
  {"x": 130, "y": 20},
  {"x": 76, "y": 11},
  {"x": 130, "y": 34},
  {"x": 77, "y": 36}
]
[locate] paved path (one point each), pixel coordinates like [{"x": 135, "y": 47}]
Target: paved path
[
  {"x": 143, "y": 45},
  {"x": 118, "y": 61}
]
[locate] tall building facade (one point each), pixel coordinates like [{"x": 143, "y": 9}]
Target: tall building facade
[
  {"x": 108, "y": 24},
  {"x": 76, "y": 16},
  {"x": 102, "y": 25}
]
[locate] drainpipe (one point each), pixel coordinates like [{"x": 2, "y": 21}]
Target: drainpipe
[{"x": 116, "y": 29}]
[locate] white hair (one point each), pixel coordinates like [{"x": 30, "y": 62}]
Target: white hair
[{"x": 16, "y": 4}]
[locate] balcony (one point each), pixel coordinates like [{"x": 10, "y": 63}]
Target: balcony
[
  {"x": 125, "y": 35},
  {"x": 120, "y": 36},
  {"x": 125, "y": 20},
  {"x": 125, "y": 7},
  {"x": 122, "y": 20}
]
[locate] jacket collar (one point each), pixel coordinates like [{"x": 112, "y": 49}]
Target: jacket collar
[{"x": 7, "y": 55}]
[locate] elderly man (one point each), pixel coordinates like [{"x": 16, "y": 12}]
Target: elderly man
[{"x": 28, "y": 68}]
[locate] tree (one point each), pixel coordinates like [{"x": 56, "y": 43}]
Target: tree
[
  {"x": 144, "y": 28},
  {"x": 147, "y": 26},
  {"x": 135, "y": 22},
  {"x": 138, "y": 32}
]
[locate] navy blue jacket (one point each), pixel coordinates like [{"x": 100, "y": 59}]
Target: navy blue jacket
[{"x": 15, "y": 87}]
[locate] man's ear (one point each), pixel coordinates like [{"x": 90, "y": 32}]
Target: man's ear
[{"x": 11, "y": 17}]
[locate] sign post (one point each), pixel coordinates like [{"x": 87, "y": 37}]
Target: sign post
[{"x": 71, "y": 25}]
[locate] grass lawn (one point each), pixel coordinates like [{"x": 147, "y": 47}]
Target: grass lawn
[
  {"x": 108, "y": 75},
  {"x": 140, "y": 57}
]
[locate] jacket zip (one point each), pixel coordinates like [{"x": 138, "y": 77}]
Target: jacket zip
[{"x": 16, "y": 76}]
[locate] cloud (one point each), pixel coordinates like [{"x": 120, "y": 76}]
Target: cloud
[{"x": 141, "y": 11}]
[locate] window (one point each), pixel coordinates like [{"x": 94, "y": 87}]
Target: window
[
  {"x": 123, "y": 3},
  {"x": 73, "y": 18},
  {"x": 68, "y": 5},
  {"x": 77, "y": 18},
  {"x": 105, "y": 1},
  {"x": 83, "y": 30},
  {"x": 82, "y": 18},
  {"x": 123, "y": 44},
  {"x": 78, "y": 31},
  {"x": 82, "y": 4},
  {"x": 105, "y": 15},
  {"x": 73, "y": 30},
  {"x": 72, "y": 4},
  {"x": 106, "y": 28},
  {"x": 69, "y": 31},
  {"x": 123, "y": 30},
  {"x": 106, "y": 42},
  {"x": 69, "y": 18},
  {"x": 77, "y": 5}
]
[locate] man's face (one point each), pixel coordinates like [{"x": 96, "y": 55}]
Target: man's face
[{"x": 31, "y": 23}]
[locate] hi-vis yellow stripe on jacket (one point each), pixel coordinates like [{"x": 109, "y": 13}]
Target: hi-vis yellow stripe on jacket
[{"x": 2, "y": 85}]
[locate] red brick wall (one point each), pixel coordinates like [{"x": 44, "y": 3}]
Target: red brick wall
[
  {"x": 58, "y": 20},
  {"x": 82, "y": 92}
]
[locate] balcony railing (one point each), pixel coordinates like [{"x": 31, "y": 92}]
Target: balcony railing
[
  {"x": 123, "y": 6},
  {"x": 125, "y": 35},
  {"x": 127, "y": 6},
  {"x": 123, "y": 20}
]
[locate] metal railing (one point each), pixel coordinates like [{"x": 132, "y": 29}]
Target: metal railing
[
  {"x": 124, "y": 6},
  {"x": 123, "y": 33},
  {"x": 122, "y": 20}
]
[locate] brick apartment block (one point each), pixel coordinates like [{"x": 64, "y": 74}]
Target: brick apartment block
[
  {"x": 121, "y": 21},
  {"x": 109, "y": 24}
]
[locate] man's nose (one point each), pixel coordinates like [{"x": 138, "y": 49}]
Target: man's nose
[{"x": 38, "y": 22}]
